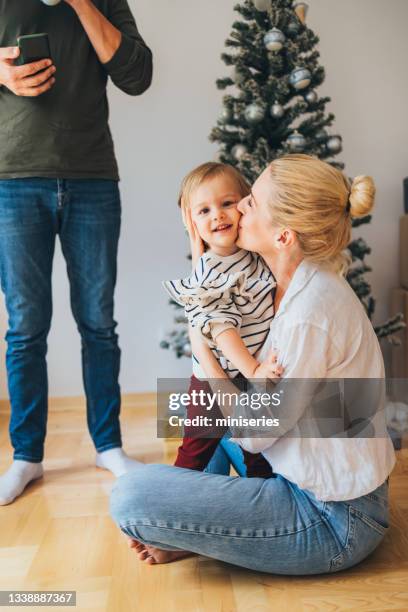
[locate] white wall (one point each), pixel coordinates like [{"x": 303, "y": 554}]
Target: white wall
[{"x": 163, "y": 134}]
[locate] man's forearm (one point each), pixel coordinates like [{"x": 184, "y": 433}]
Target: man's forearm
[{"x": 104, "y": 37}]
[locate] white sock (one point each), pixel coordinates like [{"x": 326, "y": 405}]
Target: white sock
[
  {"x": 14, "y": 481},
  {"x": 116, "y": 460}
]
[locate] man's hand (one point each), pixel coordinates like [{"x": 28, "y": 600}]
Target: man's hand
[
  {"x": 25, "y": 80},
  {"x": 196, "y": 242}
]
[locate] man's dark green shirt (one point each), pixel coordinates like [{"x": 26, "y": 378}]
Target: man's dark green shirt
[{"x": 64, "y": 133}]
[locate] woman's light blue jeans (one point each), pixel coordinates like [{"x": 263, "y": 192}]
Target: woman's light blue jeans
[{"x": 265, "y": 525}]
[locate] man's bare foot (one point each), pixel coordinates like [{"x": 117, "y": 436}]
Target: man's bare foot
[{"x": 155, "y": 556}]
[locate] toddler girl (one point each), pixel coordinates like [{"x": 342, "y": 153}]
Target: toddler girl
[{"x": 228, "y": 298}]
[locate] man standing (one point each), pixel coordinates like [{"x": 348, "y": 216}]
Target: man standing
[{"x": 58, "y": 176}]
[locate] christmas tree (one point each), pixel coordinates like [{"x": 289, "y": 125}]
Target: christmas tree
[{"x": 272, "y": 108}]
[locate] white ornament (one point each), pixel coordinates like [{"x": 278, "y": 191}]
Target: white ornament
[
  {"x": 254, "y": 113},
  {"x": 277, "y": 110},
  {"x": 51, "y": 2},
  {"x": 239, "y": 151},
  {"x": 263, "y": 5},
  {"x": 274, "y": 40}
]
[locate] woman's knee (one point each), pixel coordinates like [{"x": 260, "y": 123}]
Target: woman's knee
[{"x": 134, "y": 494}]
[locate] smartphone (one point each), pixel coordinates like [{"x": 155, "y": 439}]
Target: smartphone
[{"x": 34, "y": 47}]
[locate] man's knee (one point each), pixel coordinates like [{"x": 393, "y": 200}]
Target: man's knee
[
  {"x": 28, "y": 327},
  {"x": 99, "y": 334},
  {"x": 96, "y": 325}
]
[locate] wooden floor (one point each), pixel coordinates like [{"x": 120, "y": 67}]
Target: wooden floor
[{"x": 59, "y": 535}]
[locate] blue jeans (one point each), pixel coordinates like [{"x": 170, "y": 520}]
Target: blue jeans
[
  {"x": 265, "y": 525},
  {"x": 86, "y": 216},
  {"x": 226, "y": 455}
]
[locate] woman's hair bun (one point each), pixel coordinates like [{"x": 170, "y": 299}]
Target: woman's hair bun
[{"x": 362, "y": 196}]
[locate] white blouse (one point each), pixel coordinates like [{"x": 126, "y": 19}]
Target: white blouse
[{"x": 321, "y": 330}]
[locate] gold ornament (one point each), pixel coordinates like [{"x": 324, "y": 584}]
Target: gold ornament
[{"x": 301, "y": 9}]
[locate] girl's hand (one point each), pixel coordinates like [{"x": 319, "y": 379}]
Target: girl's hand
[
  {"x": 196, "y": 242},
  {"x": 269, "y": 368}
]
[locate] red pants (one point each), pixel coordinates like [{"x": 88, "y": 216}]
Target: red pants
[{"x": 195, "y": 453}]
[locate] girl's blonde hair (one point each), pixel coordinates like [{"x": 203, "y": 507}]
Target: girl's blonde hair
[
  {"x": 207, "y": 171},
  {"x": 317, "y": 202}
]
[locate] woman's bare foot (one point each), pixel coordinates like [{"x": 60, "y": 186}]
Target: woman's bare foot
[{"x": 155, "y": 556}]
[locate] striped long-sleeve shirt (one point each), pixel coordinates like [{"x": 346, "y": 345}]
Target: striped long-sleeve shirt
[{"x": 224, "y": 292}]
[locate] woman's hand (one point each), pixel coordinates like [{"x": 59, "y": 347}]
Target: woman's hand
[
  {"x": 196, "y": 242},
  {"x": 269, "y": 368}
]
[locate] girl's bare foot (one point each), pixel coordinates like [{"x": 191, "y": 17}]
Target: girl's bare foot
[{"x": 155, "y": 556}]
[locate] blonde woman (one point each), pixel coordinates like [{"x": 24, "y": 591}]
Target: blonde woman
[{"x": 327, "y": 508}]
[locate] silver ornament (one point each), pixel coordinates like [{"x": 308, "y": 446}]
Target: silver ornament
[
  {"x": 293, "y": 27},
  {"x": 274, "y": 40},
  {"x": 296, "y": 142},
  {"x": 225, "y": 115},
  {"x": 51, "y": 2},
  {"x": 321, "y": 135},
  {"x": 277, "y": 110},
  {"x": 239, "y": 151},
  {"x": 300, "y": 78},
  {"x": 334, "y": 144},
  {"x": 311, "y": 97},
  {"x": 254, "y": 113},
  {"x": 263, "y": 5}
]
